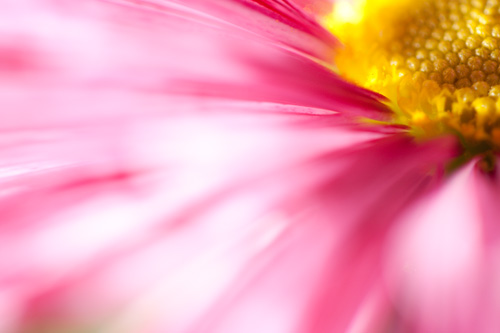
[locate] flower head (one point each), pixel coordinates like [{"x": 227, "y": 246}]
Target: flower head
[{"x": 235, "y": 166}]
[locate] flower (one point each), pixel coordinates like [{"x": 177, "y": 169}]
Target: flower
[{"x": 222, "y": 166}]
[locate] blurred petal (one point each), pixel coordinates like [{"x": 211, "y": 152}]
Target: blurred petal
[
  {"x": 279, "y": 21},
  {"x": 165, "y": 166},
  {"x": 316, "y": 7},
  {"x": 192, "y": 223},
  {"x": 127, "y": 184},
  {"x": 443, "y": 267},
  {"x": 351, "y": 285},
  {"x": 59, "y": 57}
]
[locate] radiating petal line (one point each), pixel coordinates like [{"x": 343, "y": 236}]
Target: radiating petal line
[{"x": 279, "y": 21}]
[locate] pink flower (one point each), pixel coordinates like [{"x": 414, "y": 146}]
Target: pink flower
[{"x": 196, "y": 166}]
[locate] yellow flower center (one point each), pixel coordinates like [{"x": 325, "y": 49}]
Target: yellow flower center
[{"x": 436, "y": 61}]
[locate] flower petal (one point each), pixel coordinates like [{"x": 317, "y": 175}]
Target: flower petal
[
  {"x": 161, "y": 157},
  {"x": 443, "y": 271},
  {"x": 316, "y": 7},
  {"x": 59, "y": 53},
  {"x": 280, "y": 21},
  {"x": 207, "y": 224},
  {"x": 124, "y": 192}
]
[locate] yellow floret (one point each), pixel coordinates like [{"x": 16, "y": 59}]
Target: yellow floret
[{"x": 437, "y": 61}]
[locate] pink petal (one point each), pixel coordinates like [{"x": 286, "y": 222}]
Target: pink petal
[
  {"x": 163, "y": 172},
  {"x": 118, "y": 181},
  {"x": 350, "y": 296},
  {"x": 443, "y": 261},
  {"x": 280, "y": 21},
  {"x": 316, "y": 7},
  {"x": 64, "y": 55},
  {"x": 207, "y": 225}
]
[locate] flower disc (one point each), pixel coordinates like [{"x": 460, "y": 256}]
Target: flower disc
[{"x": 437, "y": 62}]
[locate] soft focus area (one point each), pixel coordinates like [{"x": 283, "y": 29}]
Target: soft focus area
[{"x": 197, "y": 166}]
